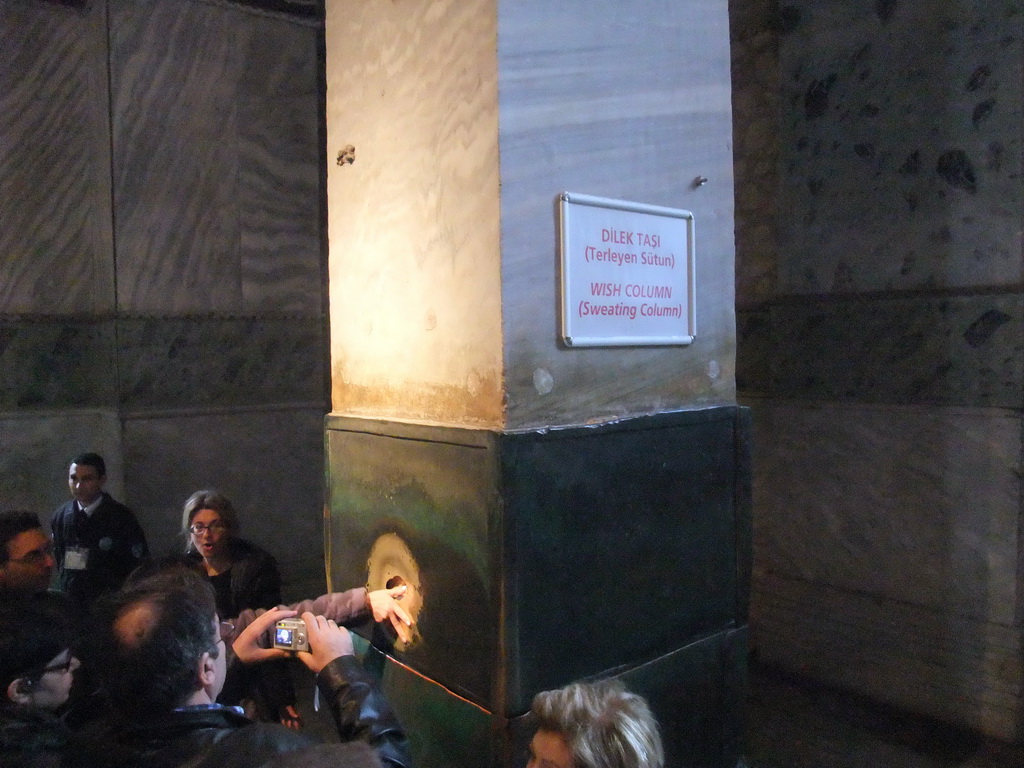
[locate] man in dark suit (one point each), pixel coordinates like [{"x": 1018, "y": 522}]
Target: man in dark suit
[{"x": 97, "y": 541}]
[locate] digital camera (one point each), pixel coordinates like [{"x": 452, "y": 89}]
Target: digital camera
[{"x": 290, "y": 634}]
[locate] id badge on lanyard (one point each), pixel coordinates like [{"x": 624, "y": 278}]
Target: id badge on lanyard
[{"x": 76, "y": 558}]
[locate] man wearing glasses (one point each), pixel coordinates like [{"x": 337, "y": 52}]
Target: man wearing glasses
[
  {"x": 161, "y": 653},
  {"x": 37, "y": 665},
  {"x": 26, "y": 555}
]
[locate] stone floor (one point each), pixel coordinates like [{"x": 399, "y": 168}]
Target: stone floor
[{"x": 795, "y": 723}]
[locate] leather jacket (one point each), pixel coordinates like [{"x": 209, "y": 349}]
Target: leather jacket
[
  {"x": 30, "y": 738},
  {"x": 208, "y": 736},
  {"x": 254, "y": 575}
]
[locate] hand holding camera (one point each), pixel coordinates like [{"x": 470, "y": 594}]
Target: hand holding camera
[
  {"x": 316, "y": 641},
  {"x": 250, "y": 646},
  {"x": 327, "y": 641}
]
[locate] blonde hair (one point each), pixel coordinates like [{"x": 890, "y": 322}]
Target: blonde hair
[{"x": 603, "y": 724}]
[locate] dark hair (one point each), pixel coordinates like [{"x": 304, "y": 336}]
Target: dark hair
[
  {"x": 207, "y": 499},
  {"x": 154, "y": 566},
  {"x": 152, "y": 669},
  {"x": 33, "y": 630},
  {"x": 91, "y": 460},
  {"x": 12, "y": 523}
]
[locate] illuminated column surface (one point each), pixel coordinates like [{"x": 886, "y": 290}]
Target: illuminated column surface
[{"x": 415, "y": 281}]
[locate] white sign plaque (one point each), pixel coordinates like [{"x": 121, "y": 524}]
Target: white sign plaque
[{"x": 627, "y": 273}]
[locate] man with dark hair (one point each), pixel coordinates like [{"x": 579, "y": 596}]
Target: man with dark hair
[
  {"x": 96, "y": 540},
  {"x": 26, "y": 555},
  {"x": 147, "y": 639},
  {"x": 161, "y": 657}
]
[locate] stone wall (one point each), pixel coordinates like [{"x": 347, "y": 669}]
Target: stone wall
[
  {"x": 161, "y": 270},
  {"x": 880, "y": 345}
]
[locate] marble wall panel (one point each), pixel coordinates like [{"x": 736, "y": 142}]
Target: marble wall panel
[
  {"x": 269, "y": 462},
  {"x": 55, "y": 243},
  {"x": 887, "y": 503},
  {"x": 754, "y": 351},
  {"x": 955, "y": 350},
  {"x": 189, "y": 361},
  {"x": 279, "y": 240},
  {"x": 57, "y": 363},
  {"x": 754, "y": 27},
  {"x": 279, "y": 185},
  {"x": 901, "y": 145},
  {"x": 913, "y": 505},
  {"x": 38, "y": 447},
  {"x": 955, "y": 668},
  {"x": 216, "y": 159},
  {"x": 611, "y": 102},
  {"x": 173, "y": 73}
]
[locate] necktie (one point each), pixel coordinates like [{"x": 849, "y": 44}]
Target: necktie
[{"x": 79, "y": 521}]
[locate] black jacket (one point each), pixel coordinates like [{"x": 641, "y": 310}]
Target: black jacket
[
  {"x": 30, "y": 738},
  {"x": 255, "y": 579},
  {"x": 208, "y": 737},
  {"x": 116, "y": 546},
  {"x": 254, "y": 582}
]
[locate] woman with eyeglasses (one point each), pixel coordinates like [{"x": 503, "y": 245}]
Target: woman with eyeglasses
[
  {"x": 244, "y": 576},
  {"x": 36, "y": 670}
]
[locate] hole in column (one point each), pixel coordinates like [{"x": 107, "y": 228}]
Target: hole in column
[{"x": 391, "y": 564}]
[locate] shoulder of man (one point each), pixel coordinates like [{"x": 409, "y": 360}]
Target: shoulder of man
[
  {"x": 350, "y": 754},
  {"x": 111, "y": 510},
  {"x": 199, "y": 736},
  {"x": 64, "y": 509},
  {"x": 252, "y": 745},
  {"x": 110, "y": 505},
  {"x": 26, "y": 731}
]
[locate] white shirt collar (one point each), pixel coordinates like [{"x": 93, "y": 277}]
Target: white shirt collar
[{"x": 92, "y": 507}]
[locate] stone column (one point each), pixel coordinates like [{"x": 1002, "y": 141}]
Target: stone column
[{"x": 559, "y": 513}]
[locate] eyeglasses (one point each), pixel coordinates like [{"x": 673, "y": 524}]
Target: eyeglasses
[
  {"x": 225, "y": 631},
  {"x": 199, "y": 529},
  {"x": 64, "y": 667},
  {"x": 36, "y": 556},
  {"x": 35, "y": 674}
]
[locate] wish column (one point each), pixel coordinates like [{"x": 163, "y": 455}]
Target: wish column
[{"x": 560, "y": 505}]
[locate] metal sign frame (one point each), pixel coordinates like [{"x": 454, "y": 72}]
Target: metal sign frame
[{"x": 621, "y": 276}]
